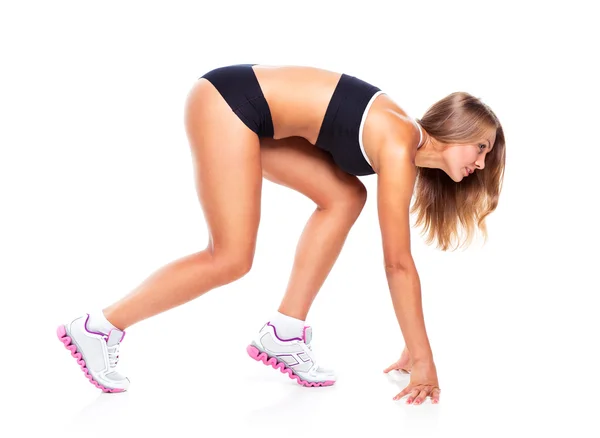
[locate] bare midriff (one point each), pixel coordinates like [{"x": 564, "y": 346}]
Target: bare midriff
[{"x": 298, "y": 97}]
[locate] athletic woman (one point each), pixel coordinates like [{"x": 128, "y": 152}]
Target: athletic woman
[{"x": 314, "y": 131}]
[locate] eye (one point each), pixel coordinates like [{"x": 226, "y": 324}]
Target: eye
[{"x": 481, "y": 148}]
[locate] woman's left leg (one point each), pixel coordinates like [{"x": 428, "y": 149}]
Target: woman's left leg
[{"x": 340, "y": 197}]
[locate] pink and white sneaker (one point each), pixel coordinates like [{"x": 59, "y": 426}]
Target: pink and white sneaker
[
  {"x": 96, "y": 353},
  {"x": 293, "y": 357}
]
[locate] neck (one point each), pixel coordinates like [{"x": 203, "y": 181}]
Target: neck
[{"x": 427, "y": 155}]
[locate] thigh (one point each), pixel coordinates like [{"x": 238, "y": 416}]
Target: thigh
[
  {"x": 227, "y": 167},
  {"x": 296, "y": 163}
]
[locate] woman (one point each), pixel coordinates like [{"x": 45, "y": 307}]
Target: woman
[{"x": 314, "y": 131}]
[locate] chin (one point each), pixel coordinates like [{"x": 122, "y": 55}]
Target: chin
[
  {"x": 457, "y": 177},
  {"x": 460, "y": 175}
]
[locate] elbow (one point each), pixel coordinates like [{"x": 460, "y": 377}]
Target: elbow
[{"x": 399, "y": 265}]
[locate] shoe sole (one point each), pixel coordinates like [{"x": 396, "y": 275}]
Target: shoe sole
[
  {"x": 63, "y": 337},
  {"x": 261, "y": 356}
]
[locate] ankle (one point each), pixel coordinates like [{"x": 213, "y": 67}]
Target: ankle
[
  {"x": 287, "y": 327},
  {"x": 113, "y": 318},
  {"x": 98, "y": 322}
]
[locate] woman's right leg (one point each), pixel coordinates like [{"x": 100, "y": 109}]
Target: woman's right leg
[{"x": 228, "y": 173}]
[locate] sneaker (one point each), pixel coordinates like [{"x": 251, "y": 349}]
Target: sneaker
[
  {"x": 293, "y": 357},
  {"x": 96, "y": 353}
]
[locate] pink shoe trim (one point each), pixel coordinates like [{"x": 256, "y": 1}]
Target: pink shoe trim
[
  {"x": 61, "y": 332},
  {"x": 277, "y": 336},
  {"x": 304, "y": 333},
  {"x": 260, "y": 356}
]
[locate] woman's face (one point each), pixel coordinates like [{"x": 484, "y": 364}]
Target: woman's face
[{"x": 462, "y": 159}]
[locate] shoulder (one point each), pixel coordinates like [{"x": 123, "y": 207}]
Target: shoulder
[{"x": 389, "y": 130}]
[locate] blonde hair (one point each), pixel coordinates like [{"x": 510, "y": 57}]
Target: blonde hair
[{"x": 442, "y": 204}]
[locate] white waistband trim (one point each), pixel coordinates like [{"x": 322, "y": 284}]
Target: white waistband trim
[{"x": 362, "y": 125}]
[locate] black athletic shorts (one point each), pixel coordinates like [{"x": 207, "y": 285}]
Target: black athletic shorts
[{"x": 341, "y": 131}]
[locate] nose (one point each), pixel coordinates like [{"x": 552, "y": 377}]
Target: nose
[{"x": 480, "y": 164}]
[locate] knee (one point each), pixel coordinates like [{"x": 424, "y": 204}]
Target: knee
[
  {"x": 233, "y": 264},
  {"x": 361, "y": 196},
  {"x": 353, "y": 200}
]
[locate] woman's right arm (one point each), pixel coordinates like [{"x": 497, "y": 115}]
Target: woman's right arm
[{"x": 395, "y": 183}]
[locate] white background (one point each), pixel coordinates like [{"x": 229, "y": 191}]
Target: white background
[{"x": 97, "y": 193}]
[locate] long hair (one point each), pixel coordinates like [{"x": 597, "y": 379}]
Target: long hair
[{"x": 441, "y": 203}]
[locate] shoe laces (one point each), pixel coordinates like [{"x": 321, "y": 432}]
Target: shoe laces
[
  {"x": 309, "y": 351},
  {"x": 113, "y": 355}
]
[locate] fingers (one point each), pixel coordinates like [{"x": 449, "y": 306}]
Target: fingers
[
  {"x": 403, "y": 393},
  {"x": 419, "y": 394},
  {"x": 413, "y": 394},
  {"x": 435, "y": 396},
  {"x": 421, "y": 397},
  {"x": 388, "y": 369},
  {"x": 393, "y": 366}
]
